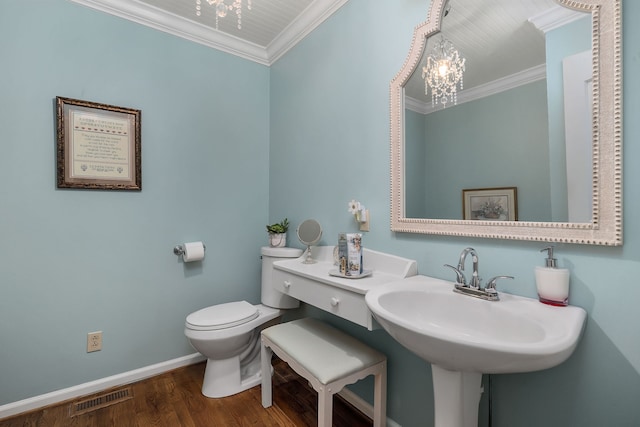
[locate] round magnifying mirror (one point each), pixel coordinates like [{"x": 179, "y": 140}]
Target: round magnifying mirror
[{"x": 309, "y": 232}]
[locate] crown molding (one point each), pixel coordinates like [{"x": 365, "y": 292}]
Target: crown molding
[
  {"x": 314, "y": 15},
  {"x": 554, "y": 18},
  {"x": 164, "y": 21},
  {"x": 513, "y": 81},
  {"x": 153, "y": 17}
]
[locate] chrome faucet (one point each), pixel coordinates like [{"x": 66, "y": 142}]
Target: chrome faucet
[
  {"x": 475, "y": 279},
  {"x": 474, "y": 288}
]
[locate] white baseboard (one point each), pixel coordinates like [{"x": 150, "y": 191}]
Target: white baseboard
[
  {"x": 129, "y": 377},
  {"x": 362, "y": 405}
]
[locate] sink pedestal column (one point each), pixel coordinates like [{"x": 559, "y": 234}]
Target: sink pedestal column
[{"x": 456, "y": 397}]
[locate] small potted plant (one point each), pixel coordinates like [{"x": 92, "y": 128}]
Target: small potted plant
[{"x": 278, "y": 233}]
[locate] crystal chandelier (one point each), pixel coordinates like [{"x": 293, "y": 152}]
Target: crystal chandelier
[
  {"x": 443, "y": 72},
  {"x": 222, "y": 8}
]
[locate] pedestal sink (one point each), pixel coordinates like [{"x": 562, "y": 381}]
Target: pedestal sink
[{"x": 463, "y": 337}]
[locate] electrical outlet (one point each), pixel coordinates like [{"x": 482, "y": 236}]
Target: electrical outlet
[{"x": 94, "y": 341}]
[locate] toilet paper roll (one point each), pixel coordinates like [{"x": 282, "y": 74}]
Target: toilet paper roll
[{"x": 193, "y": 251}]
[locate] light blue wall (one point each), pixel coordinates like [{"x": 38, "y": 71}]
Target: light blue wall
[
  {"x": 330, "y": 143},
  {"x": 472, "y": 145},
  {"x": 416, "y": 198},
  {"x": 77, "y": 261},
  {"x": 503, "y": 143},
  {"x": 561, "y": 43}
]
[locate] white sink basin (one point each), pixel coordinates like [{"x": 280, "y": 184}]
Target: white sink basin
[{"x": 461, "y": 333}]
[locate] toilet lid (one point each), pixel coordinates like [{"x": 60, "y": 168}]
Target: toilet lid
[{"x": 222, "y": 316}]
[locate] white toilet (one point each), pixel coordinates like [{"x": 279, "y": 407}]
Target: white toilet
[{"x": 229, "y": 334}]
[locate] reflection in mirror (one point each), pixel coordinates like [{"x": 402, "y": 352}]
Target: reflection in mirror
[
  {"x": 309, "y": 232},
  {"x": 476, "y": 137},
  {"x": 524, "y": 119},
  {"x": 503, "y": 135}
]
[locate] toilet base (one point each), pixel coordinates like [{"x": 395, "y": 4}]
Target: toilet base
[
  {"x": 222, "y": 378},
  {"x": 225, "y": 377},
  {"x": 228, "y": 373}
]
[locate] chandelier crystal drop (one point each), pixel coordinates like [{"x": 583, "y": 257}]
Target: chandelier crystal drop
[
  {"x": 443, "y": 73},
  {"x": 222, "y": 8}
]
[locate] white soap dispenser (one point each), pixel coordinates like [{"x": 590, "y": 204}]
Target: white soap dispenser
[{"x": 552, "y": 282}]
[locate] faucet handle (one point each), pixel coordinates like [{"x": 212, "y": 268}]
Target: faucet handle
[
  {"x": 460, "y": 279},
  {"x": 492, "y": 283}
]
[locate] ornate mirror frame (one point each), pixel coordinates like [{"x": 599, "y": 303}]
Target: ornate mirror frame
[{"x": 606, "y": 225}]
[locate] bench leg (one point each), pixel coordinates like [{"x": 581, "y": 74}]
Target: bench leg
[
  {"x": 325, "y": 407},
  {"x": 265, "y": 361},
  {"x": 380, "y": 398}
]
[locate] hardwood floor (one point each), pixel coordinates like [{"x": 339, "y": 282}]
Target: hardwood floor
[{"x": 173, "y": 399}]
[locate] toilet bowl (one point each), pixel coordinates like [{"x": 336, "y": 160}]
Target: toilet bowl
[{"x": 228, "y": 334}]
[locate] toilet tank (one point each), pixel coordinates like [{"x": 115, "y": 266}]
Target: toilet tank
[{"x": 270, "y": 296}]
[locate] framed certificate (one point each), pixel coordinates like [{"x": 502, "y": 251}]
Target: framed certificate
[{"x": 99, "y": 146}]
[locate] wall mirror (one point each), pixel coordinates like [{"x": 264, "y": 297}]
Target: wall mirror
[{"x": 540, "y": 110}]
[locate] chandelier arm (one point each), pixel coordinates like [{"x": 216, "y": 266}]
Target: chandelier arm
[{"x": 222, "y": 8}]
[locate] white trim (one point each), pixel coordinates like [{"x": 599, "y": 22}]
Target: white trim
[
  {"x": 554, "y": 18},
  {"x": 129, "y": 377},
  {"x": 362, "y": 405},
  {"x": 153, "y": 17},
  {"x": 417, "y": 105},
  {"x": 513, "y": 81},
  {"x": 314, "y": 15}
]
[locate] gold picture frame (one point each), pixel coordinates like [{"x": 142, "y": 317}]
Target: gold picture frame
[
  {"x": 98, "y": 146},
  {"x": 490, "y": 204}
]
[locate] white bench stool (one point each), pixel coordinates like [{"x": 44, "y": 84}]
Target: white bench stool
[{"x": 329, "y": 359}]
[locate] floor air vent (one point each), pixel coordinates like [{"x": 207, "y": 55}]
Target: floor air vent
[{"x": 102, "y": 401}]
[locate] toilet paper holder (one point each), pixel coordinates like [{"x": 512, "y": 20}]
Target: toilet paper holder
[{"x": 179, "y": 249}]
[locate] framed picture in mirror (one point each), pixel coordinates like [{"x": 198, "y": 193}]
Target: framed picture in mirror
[{"x": 490, "y": 204}]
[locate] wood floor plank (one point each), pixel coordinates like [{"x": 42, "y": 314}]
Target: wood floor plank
[{"x": 174, "y": 399}]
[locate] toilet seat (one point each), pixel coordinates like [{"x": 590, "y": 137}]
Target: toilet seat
[{"x": 222, "y": 316}]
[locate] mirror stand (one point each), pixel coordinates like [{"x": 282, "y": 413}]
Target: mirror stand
[
  {"x": 309, "y": 259},
  {"x": 309, "y": 233}
]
